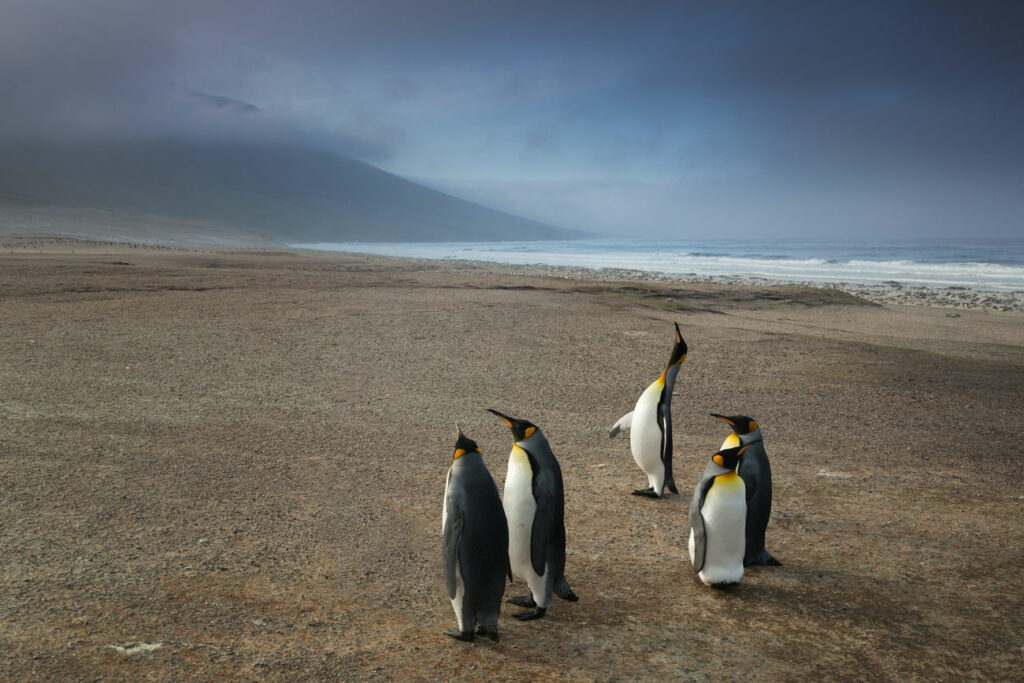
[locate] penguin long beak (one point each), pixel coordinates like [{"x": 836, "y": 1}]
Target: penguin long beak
[
  {"x": 679, "y": 350},
  {"x": 504, "y": 418},
  {"x": 724, "y": 419},
  {"x": 521, "y": 429}
]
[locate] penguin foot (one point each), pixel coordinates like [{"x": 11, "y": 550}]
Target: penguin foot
[
  {"x": 646, "y": 493},
  {"x": 466, "y": 636},
  {"x": 672, "y": 487},
  {"x": 531, "y": 615},
  {"x": 725, "y": 586},
  {"x": 762, "y": 559},
  {"x": 564, "y": 590},
  {"x": 522, "y": 601},
  {"x": 492, "y": 634}
]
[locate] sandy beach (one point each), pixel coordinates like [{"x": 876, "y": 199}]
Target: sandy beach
[{"x": 231, "y": 464}]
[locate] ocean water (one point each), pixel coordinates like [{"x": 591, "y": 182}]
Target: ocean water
[{"x": 985, "y": 265}]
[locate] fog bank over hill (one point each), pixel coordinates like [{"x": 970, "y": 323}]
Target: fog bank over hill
[
  {"x": 24, "y": 219},
  {"x": 667, "y": 120},
  {"x": 287, "y": 192}
]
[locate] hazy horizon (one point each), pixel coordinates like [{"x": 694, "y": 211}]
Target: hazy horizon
[{"x": 738, "y": 120}]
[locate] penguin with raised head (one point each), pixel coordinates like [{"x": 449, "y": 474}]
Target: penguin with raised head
[
  {"x": 534, "y": 503},
  {"x": 475, "y": 543},
  {"x": 718, "y": 514},
  {"x": 650, "y": 425},
  {"x": 757, "y": 476}
]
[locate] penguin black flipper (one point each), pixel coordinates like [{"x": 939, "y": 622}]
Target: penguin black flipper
[
  {"x": 757, "y": 476},
  {"x": 450, "y": 543},
  {"x": 546, "y": 491},
  {"x": 751, "y": 486},
  {"x": 697, "y": 522},
  {"x": 665, "y": 422}
]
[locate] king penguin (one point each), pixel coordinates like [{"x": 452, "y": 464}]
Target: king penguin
[
  {"x": 650, "y": 425},
  {"x": 535, "y": 508},
  {"x": 757, "y": 475},
  {"x": 718, "y": 513},
  {"x": 475, "y": 543}
]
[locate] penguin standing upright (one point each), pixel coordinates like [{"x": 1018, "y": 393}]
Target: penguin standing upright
[
  {"x": 535, "y": 508},
  {"x": 757, "y": 476},
  {"x": 475, "y": 543},
  {"x": 650, "y": 425},
  {"x": 718, "y": 514}
]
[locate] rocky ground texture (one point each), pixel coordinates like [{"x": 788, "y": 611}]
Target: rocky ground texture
[{"x": 231, "y": 464}]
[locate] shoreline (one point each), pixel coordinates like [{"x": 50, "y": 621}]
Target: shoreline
[
  {"x": 954, "y": 297},
  {"x": 964, "y": 298},
  {"x": 896, "y": 293}
]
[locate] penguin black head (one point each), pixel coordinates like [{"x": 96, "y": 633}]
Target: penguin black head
[
  {"x": 679, "y": 350},
  {"x": 741, "y": 424},
  {"x": 729, "y": 458},
  {"x": 521, "y": 429},
  {"x": 464, "y": 444}
]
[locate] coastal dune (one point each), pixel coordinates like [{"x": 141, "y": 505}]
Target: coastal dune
[{"x": 219, "y": 463}]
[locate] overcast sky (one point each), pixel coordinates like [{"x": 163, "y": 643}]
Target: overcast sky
[{"x": 647, "y": 119}]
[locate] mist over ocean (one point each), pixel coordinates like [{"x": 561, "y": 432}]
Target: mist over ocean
[{"x": 978, "y": 264}]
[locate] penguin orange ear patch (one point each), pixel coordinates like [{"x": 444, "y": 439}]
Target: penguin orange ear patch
[
  {"x": 753, "y": 425},
  {"x": 529, "y": 432},
  {"x": 719, "y": 460},
  {"x": 459, "y": 452}
]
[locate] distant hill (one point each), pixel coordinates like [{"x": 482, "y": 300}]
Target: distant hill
[
  {"x": 22, "y": 217},
  {"x": 288, "y": 193}
]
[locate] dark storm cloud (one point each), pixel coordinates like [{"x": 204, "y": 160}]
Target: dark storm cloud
[
  {"x": 718, "y": 113},
  {"x": 76, "y": 70},
  {"x": 896, "y": 79}
]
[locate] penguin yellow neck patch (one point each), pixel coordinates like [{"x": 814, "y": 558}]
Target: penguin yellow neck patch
[
  {"x": 520, "y": 458},
  {"x": 731, "y": 441},
  {"x": 729, "y": 479},
  {"x": 459, "y": 452}
]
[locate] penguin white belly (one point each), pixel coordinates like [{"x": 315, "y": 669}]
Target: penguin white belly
[
  {"x": 725, "y": 518},
  {"x": 460, "y": 587},
  {"x": 520, "y": 508},
  {"x": 444, "y": 505},
  {"x": 645, "y": 436},
  {"x": 460, "y": 593}
]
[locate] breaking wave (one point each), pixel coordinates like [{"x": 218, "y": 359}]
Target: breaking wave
[{"x": 997, "y": 267}]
